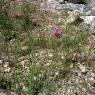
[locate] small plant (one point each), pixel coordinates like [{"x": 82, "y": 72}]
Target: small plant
[
  {"x": 26, "y": 22},
  {"x": 6, "y": 25},
  {"x": 57, "y": 32},
  {"x": 16, "y": 15}
]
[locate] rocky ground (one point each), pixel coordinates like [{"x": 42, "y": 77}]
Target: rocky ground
[{"x": 83, "y": 80}]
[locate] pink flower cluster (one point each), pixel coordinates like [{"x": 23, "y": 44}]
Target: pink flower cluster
[
  {"x": 57, "y": 32},
  {"x": 16, "y": 0},
  {"x": 16, "y": 15}
]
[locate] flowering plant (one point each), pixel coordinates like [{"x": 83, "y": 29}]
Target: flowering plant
[{"x": 57, "y": 32}]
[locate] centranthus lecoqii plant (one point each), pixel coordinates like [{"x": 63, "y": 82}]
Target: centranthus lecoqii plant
[
  {"x": 16, "y": 15},
  {"x": 57, "y": 39},
  {"x": 57, "y": 32}
]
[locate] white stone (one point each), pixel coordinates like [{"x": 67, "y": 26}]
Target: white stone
[
  {"x": 82, "y": 68},
  {"x": 92, "y": 74},
  {"x": 50, "y": 55},
  {"x": 22, "y": 62},
  {"x": 12, "y": 93},
  {"x": 1, "y": 61},
  {"x": 34, "y": 78},
  {"x": 88, "y": 19},
  {"x": 91, "y": 79},
  {"x": 49, "y": 61},
  {"x": 61, "y": 1},
  {"x": 24, "y": 48},
  {"x": 56, "y": 73},
  {"x": 7, "y": 69},
  {"x": 62, "y": 57},
  {"x": 88, "y": 24},
  {"x": 5, "y": 65},
  {"x": 48, "y": 64},
  {"x": 88, "y": 13}
]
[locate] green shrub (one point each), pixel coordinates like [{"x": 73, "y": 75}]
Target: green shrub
[
  {"x": 6, "y": 25},
  {"x": 26, "y": 22}
]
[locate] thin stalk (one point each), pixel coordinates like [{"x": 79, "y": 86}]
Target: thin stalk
[
  {"x": 31, "y": 66},
  {"x": 15, "y": 76}
]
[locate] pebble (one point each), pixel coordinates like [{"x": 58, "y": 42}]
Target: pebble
[
  {"x": 1, "y": 61},
  {"x": 7, "y": 69},
  {"x": 36, "y": 54},
  {"x": 62, "y": 57},
  {"x": 6, "y": 65},
  {"x": 82, "y": 68},
  {"x": 48, "y": 64},
  {"x": 50, "y": 55},
  {"x": 13, "y": 93},
  {"x": 23, "y": 62},
  {"x": 91, "y": 79},
  {"x": 24, "y": 48},
  {"x": 92, "y": 74},
  {"x": 49, "y": 61}
]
